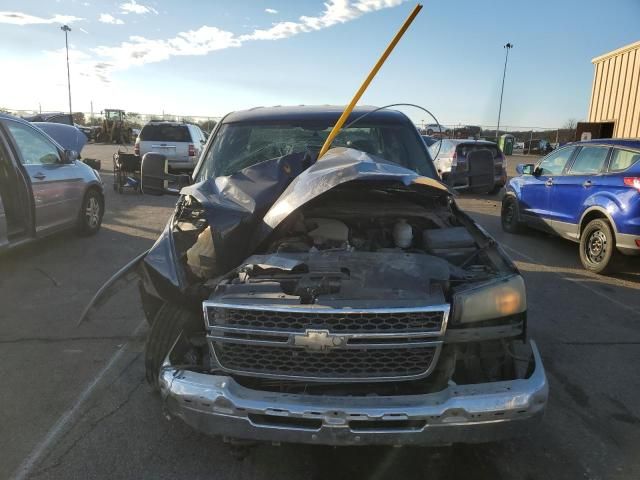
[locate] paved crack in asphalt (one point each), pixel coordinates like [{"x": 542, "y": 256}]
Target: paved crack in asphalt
[{"x": 92, "y": 427}]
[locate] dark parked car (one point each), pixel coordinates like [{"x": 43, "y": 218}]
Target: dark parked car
[
  {"x": 52, "y": 117},
  {"x": 342, "y": 301},
  {"x": 88, "y": 131},
  {"x": 588, "y": 192},
  {"x": 43, "y": 187},
  {"x": 451, "y": 160}
]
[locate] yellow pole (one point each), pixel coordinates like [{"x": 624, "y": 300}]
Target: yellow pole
[{"x": 347, "y": 111}]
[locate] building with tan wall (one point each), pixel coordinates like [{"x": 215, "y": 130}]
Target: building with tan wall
[{"x": 615, "y": 96}]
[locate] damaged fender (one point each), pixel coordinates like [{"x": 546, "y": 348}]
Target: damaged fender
[{"x": 120, "y": 280}]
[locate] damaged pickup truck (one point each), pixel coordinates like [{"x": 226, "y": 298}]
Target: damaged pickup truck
[{"x": 343, "y": 301}]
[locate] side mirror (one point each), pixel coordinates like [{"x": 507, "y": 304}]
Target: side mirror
[
  {"x": 70, "y": 156},
  {"x": 153, "y": 174},
  {"x": 525, "y": 169},
  {"x": 155, "y": 179}
]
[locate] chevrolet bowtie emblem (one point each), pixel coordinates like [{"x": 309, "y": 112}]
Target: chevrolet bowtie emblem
[{"x": 319, "y": 340}]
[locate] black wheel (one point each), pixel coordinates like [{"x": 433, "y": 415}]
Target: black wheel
[
  {"x": 598, "y": 247},
  {"x": 91, "y": 212},
  {"x": 510, "y": 215},
  {"x": 172, "y": 328}
]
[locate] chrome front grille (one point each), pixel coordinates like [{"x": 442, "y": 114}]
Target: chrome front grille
[
  {"x": 320, "y": 344},
  {"x": 294, "y": 320}
]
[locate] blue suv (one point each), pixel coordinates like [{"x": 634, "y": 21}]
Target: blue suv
[{"x": 588, "y": 192}]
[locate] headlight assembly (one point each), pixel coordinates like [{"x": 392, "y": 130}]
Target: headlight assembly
[{"x": 496, "y": 299}]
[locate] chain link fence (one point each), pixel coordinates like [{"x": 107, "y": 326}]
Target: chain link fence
[
  {"x": 137, "y": 120},
  {"x": 524, "y": 137},
  {"x": 523, "y": 134}
]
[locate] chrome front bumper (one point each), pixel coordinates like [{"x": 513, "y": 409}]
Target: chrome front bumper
[{"x": 218, "y": 405}]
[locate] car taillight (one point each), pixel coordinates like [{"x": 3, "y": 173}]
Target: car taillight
[
  {"x": 632, "y": 182},
  {"x": 192, "y": 150},
  {"x": 136, "y": 149}
]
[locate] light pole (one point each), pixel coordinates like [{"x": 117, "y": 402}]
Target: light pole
[
  {"x": 508, "y": 46},
  {"x": 66, "y": 30}
]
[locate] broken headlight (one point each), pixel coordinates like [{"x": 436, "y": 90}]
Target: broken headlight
[{"x": 499, "y": 298}]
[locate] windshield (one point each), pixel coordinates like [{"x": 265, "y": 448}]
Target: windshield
[{"x": 241, "y": 145}]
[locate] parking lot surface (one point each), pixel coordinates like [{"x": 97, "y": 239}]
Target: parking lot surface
[{"x": 74, "y": 403}]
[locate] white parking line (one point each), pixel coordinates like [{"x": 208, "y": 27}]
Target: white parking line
[
  {"x": 578, "y": 282},
  {"x": 24, "y": 470}
]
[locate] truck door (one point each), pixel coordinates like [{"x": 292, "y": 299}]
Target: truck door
[{"x": 52, "y": 181}]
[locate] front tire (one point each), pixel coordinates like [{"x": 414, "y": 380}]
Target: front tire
[
  {"x": 510, "y": 215},
  {"x": 598, "y": 247},
  {"x": 91, "y": 213},
  {"x": 171, "y": 329}
]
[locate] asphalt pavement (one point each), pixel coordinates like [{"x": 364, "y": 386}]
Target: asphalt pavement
[{"x": 74, "y": 403}]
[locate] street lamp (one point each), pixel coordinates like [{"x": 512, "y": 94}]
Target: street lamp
[
  {"x": 66, "y": 30},
  {"x": 508, "y": 46}
]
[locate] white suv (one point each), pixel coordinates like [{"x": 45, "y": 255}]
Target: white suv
[{"x": 180, "y": 142}]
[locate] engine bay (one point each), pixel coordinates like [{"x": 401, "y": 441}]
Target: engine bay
[{"x": 359, "y": 249}]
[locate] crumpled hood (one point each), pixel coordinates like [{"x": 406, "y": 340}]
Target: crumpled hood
[
  {"x": 67, "y": 136},
  {"x": 341, "y": 165},
  {"x": 244, "y": 208}
]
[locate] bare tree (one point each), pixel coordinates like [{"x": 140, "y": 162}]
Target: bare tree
[
  {"x": 78, "y": 117},
  {"x": 570, "y": 124}
]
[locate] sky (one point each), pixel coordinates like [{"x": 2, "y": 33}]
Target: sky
[{"x": 206, "y": 58}]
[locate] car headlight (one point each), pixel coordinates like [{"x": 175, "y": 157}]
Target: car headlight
[{"x": 496, "y": 299}]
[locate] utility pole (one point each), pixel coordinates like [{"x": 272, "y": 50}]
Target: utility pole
[
  {"x": 508, "y": 46},
  {"x": 91, "y": 122},
  {"x": 66, "y": 30}
]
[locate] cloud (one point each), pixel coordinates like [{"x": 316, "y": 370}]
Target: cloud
[
  {"x": 271, "y": 10},
  {"x": 138, "y": 50},
  {"x": 134, "y": 7},
  {"x": 106, "y": 18},
  {"x": 336, "y": 11},
  {"x": 18, "y": 18}
]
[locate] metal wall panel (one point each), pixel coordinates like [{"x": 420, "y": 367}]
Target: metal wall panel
[{"x": 616, "y": 90}]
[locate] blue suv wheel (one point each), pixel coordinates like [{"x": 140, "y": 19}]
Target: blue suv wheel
[
  {"x": 510, "y": 215},
  {"x": 597, "y": 246}
]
